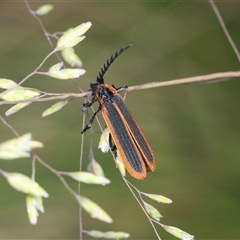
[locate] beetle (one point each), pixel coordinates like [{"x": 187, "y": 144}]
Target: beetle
[{"x": 126, "y": 137}]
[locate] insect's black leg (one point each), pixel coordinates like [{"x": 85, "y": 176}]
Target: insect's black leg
[
  {"x": 112, "y": 146},
  {"x": 89, "y": 104},
  {"x": 120, "y": 89},
  {"x": 91, "y": 120}
]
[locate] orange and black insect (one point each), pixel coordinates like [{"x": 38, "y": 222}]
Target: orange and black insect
[{"x": 128, "y": 138}]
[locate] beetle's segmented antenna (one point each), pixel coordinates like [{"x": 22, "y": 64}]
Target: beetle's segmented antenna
[{"x": 109, "y": 62}]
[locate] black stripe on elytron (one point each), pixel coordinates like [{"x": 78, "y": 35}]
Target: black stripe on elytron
[
  {"x": 134, "y": 128},
  {"x": 124, "y": 137}
]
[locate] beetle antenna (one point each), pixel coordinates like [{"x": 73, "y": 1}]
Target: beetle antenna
[{"x": 109, "y": 63}]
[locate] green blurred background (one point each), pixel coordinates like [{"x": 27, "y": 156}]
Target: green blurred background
[{"x": 193, "y": 129}]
